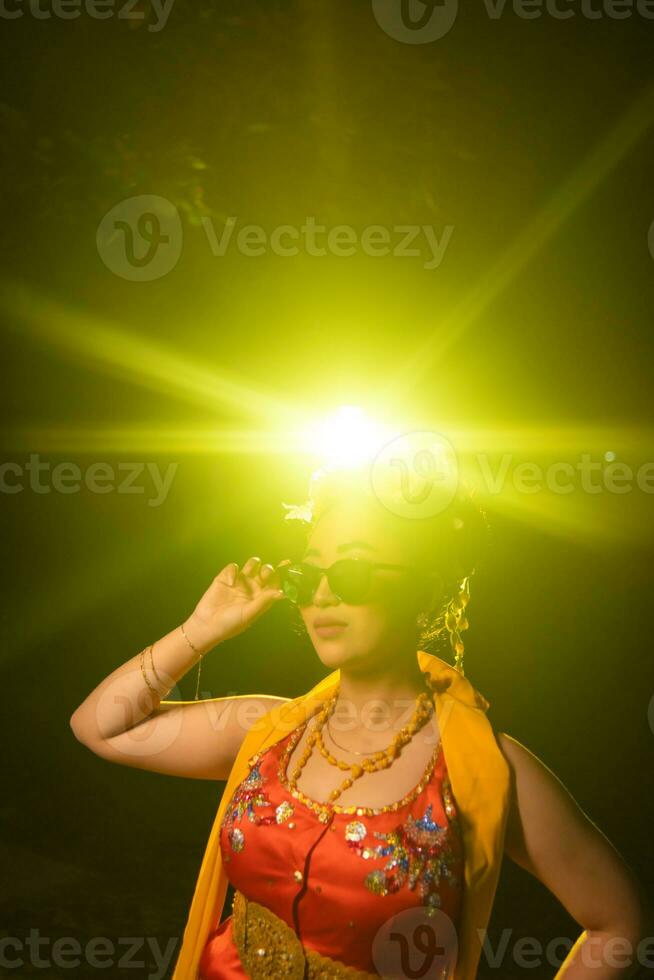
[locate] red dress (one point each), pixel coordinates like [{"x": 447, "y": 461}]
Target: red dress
[{"x": 336, "y": 874}]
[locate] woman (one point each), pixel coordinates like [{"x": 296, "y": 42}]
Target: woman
[{"x": 363, "y": 824}]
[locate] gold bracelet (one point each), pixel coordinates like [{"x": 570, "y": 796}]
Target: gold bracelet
[
  {"x": 195, "y": 650},
  {"x": 145, "y": 676},
  {"x": 154, "y": 669}
]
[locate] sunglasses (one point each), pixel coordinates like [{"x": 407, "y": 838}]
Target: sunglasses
[{"x": 349, "y": 579}]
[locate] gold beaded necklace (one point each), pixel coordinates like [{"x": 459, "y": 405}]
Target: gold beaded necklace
[{"x": 378, "y": 760}]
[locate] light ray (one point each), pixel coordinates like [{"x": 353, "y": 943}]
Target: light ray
[
  {"x": 85, "y": 586},
  {"x": 575, "y": 190},
  {"x": 526, "y": 442},
  {"x": 151, "y": 440},
  {"x": 596, "y": 522},
  {"x": 111, "y": 349}
]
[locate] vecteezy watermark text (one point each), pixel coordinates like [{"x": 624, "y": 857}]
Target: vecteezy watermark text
[
  {"x": 97, "y": 9},
  {"x": 146, "y": 739},
  {"x": 41, "y": 477},
  {"x": 100, "y": 953},
  {"x": 426, "y": 472},
  {"x": 528, "y": 952},
  {"x": 140, "y": 239},
  {"x": 424, "y": 21},
  {"x": 586, "y": 474},
  {"x": 400, "y": 241}
]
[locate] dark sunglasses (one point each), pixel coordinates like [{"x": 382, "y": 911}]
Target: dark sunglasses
[{"x": 349, "y": 579}]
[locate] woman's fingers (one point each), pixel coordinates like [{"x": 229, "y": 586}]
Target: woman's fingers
[
  {"x": 251, "y": 567},
  {"x": 268, "y": 576},
  {"x": 253, "y": 572},
  {"x": 228, "y": 575},
  {"x": 257, "y": 575},
  {"x": 274, "y": 580}
]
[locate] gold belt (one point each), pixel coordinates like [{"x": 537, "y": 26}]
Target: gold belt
[{"x": 270, "y": 948}]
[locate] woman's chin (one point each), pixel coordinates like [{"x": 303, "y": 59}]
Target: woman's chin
[{"x": 332, "y": 653}]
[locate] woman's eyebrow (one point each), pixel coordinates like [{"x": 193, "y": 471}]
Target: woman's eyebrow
[{"x": 343, "y": 547}]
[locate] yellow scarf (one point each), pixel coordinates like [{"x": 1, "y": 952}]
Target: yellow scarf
[{"x": 479, "y": 776}]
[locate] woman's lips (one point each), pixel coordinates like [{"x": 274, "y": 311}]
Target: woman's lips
[{"x": 327, "y": 632}]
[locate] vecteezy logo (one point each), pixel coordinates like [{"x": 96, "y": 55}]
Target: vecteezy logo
[
  {"x": 415, "y": 475},
  {"x": 140, "y": 238},
  {"x": 419, "y": 942},
  {"x": 416, "y": 21}
]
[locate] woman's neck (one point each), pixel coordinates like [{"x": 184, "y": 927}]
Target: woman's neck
[{"x": 381, "y": 698}]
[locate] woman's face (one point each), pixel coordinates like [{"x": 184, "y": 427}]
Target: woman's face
[{"x": 385, "y": 623}]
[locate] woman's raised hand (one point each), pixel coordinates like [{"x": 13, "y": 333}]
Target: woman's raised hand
[{"x": 233, "y": 601}]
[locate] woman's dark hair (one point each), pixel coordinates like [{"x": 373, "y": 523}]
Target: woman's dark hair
[{"x": 447, "y": 545}]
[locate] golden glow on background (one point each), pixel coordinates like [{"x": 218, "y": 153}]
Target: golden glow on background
[
  {"x": 233, "y": 376},
  {"x": 346, "y": 437},
  {"x": 347, "y": 366},
  {"x": 297, "y": 437}
]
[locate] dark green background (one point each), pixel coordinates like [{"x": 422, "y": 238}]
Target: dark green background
[{"x": 296, "y": 109}]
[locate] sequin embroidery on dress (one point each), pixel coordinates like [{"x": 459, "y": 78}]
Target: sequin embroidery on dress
[
  {"x": 249, "y": 797},
  {"x": 419, "y": 851},
  {"x": 335, "y": 873}
]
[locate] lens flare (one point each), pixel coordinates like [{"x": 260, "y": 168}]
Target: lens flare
[{"x": 346, "y": 437}]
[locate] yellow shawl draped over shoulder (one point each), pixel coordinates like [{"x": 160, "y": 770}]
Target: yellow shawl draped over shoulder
[{"x": 480, "y": 781}]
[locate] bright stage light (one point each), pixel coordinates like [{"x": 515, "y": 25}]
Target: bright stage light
[{"x": 346, "y": 437}]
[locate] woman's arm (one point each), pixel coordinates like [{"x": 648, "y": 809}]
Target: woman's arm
[
  {"x": 550, "y": 836},
  {"x": 123, "y": 719}
]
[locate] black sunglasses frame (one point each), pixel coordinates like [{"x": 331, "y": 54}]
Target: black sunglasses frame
[{"x": 292, "y": 589}]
